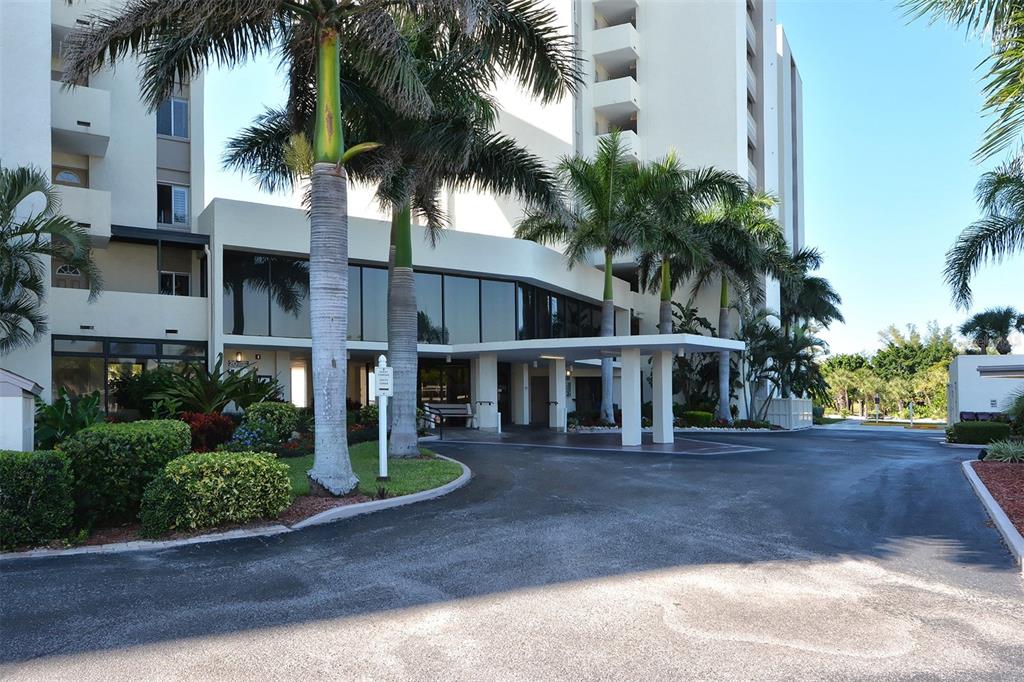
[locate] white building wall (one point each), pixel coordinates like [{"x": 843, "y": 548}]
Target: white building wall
[
  {"x": 25, "y": 127},
  {"x": 968, "y": 391}
]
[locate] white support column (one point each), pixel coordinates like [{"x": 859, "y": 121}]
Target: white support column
[
  {"x": 283, "y": 369},
  {"x": 630, "y": 360},
  {"x": 487, "y": 397},
  {"x": 662, "y": 421},
  {"x": 521, "y": 393},
  {"x": 556, "y": 394}
]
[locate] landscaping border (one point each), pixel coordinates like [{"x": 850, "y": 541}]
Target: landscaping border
[
  {"x": 1012, "y": 537},
  {"x": 328, "y": 516}
]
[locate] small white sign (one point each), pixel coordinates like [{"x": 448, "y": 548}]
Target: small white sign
[{"x": 385, "y": 381}]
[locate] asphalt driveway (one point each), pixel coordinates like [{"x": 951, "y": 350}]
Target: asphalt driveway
[{"x": 827, "y": 554}]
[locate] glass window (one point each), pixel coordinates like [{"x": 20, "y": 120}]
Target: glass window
[
  {"x": 556, "y": 306},
  {"x": 246, "y": 302},
  {"x": 543, "y": 313},
  {"x": 172, "y": 118},
  {"x": 189, "y": 350},
  {"x": 175, "y": 284},
  {"x": 462, "y": 309},
  {"x": 131, "y": 348},
  {"x": 355, "y": 303},
  {"x": 429, "y": 323},
  {"x": 79, "y": 375},
  {"x": 526, "y": 312},
  {"x": 375, "y": 304},
  {"x": 572, "y": 318},
  {"x": 289, "y": 297},
  {"x": 172, "y": 205},
  {"x": 498, "y": 310},
  {"x": 77, "y": 346},
  {"x": 75, "y": 177}
]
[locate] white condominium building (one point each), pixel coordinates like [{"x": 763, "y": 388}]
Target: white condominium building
[{"x": 504, "y": 324}]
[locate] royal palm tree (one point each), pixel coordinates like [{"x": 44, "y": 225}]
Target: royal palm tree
[
  {"x": 672, "y": 199},
  {"x": 997, "y": 235},
  {"x": 993, "y": 327},
  {"x": 454, "y": 147},
  {"x": 177, "y": 39},
  {"x": 601, "y": 217},
  {"x": 32, "y": 229},
  {"x": 745, "y": 243},
  {"x": 807, "y": 297}
]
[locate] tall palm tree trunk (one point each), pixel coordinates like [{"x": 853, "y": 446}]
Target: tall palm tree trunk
[
  {"x": 607, "y": 329},
  {"x": 665, "y": 307},
  {"x": 724, "y": 332},
  {"x": 402, "y": 338},
  {"x": 328, "y": 280}
]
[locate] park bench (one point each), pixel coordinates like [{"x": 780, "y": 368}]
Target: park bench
[{"x": 439, "y": 413}]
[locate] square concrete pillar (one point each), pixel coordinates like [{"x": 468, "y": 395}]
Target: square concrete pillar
[
  {"x": 521, "y": 394},
  {"x": 556, "y": 394},
  {"x": 283, "y": 370},
  {"x": 630, "y": 361},
  {"x": 662, "y": 398},
  {"x": 486, "y": 396}
]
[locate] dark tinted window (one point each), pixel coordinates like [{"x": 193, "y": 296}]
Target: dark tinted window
[
  {"x": 375, "y": 304},
  {"x": 289, "y": 296},
  {"x": 498, "y": 310},
  {"x": 246, "y": 299},
  {"x": 429, "y": 319},
  {"x": 462, "y": 309}
]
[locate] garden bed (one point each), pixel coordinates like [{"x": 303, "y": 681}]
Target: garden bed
[{"x": 1005, "y": 482}]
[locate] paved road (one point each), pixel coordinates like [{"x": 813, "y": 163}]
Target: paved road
[{"x": 831, "y": 554}]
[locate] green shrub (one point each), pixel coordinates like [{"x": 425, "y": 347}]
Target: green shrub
[
  {"x": 977, "y": 433},
  {"x": 207, "y": 489},
  {"x": 67, "y": 415},
  {"x": 134, "y": 391},
  {"x": 113, "y": 463},
  {"x": 282, "y": 418},
  {"x": 1005, "y": 451},
  {"x": 697, "y": 418},
  {"x": 369, "y": 413},
  {"x": 36, "y": 503}
]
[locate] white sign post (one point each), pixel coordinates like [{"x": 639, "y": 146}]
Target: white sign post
[{"x": 385, "y": 381}]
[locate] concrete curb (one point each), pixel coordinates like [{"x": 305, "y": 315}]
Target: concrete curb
[
  {"x": 1011, "y": 536},
  {"x": 351, "y": 510},
  {"x": 328, "y": 516},
  {"x": 964, "y": 446}
]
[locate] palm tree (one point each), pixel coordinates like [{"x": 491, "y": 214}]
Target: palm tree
[
  {"x": 176, "y": 39},
  {"x": 415, "y": 157},
  {"x": 602, "y": 218},
  {"x": 807, "y": 297},
  {"x": 993, "y": 327},
  {"x": 745, "y": 242},
  {"x": 997, "y": 235},
  {"x": 31, "y": 229},
  {"x": 672, "y": 199}
]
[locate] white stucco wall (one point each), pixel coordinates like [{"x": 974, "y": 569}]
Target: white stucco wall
[{"x": 968, "y": 391}]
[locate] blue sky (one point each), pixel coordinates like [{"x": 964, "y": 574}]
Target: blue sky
[{"x": 891, "y": 117}]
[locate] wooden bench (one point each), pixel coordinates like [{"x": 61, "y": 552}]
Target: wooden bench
[{"x": 439, "y": 413}]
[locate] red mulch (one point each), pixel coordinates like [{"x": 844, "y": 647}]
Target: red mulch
[
  {"x": 1005, "y": 481},
  {"x": 308, "y": 505}
]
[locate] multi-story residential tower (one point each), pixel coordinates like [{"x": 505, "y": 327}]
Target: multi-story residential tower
[
  {"x": 132, "y": 177},
  {"x": 503, "y": 324}
]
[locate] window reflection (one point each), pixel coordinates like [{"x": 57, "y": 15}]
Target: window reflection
[
  {"x": 462, "y": 309},
  {"x": 429, "y": 322},
  {"x": 498, "y": 310}
]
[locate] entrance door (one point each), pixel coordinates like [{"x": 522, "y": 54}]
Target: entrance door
[
  {"x": 588, "y": 394},
  {"x": 505, "y": 392},
  {"x": 539, "y": 401}
]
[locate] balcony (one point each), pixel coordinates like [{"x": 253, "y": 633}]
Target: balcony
[
  {"x": 751, "y": 35},
  {"x": 616, "y": 48},
  {"x": 751, "y": 81},
  {"x": 129, "y": 315},
  {"x": 751, "y": 129},
  {"x": 80, "y": 119},
  {"x": 616, "y": 98},
  {"x": 630, "y": 142},
  {"x": 615, "y": 12},
  {"x": 89, "y": 207}
]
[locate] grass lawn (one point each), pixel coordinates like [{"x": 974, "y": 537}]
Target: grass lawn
[
  {"x": 828, "y": 420},
  {"x": 405, "y": 475},
  {"x": 917, "y": 425}
]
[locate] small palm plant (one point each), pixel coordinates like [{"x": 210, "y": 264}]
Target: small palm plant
[{"x": 32, "y": 230}]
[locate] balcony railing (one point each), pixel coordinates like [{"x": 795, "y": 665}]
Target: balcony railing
[
  {"x": 90, "y": 207},
  {"x": 617, "y": 97},
  {"x": 131, "y": 315},
  {"x": 80, "y": 119},
  {"x": 630, "y": 142},
  {"x": 617, "y": 47}
]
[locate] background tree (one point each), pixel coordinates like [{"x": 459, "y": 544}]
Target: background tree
[
  {"x": 993, "y": 327},
  {"x": 807, "y": 297},
  {"x": 601, "y": 217},
  {"x": 31, "y": 229}
]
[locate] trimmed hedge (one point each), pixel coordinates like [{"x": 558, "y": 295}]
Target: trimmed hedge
[
  {"x": 113, "y": 463},
  {"x": 207, "y": 489},
  {"x": 36, "y": 503},
  {"x": 977, "y": 433},
  {"x": 697, "y": 418},
  {"x": 282, "y": 418}
]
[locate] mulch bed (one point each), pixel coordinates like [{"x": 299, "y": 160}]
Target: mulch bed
[
  {"x": 1005, "y": 481},
  {"x": 309, "y": 505}
]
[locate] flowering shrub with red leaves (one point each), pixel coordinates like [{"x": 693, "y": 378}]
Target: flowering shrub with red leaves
[{"x": 209, "y": 429}]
